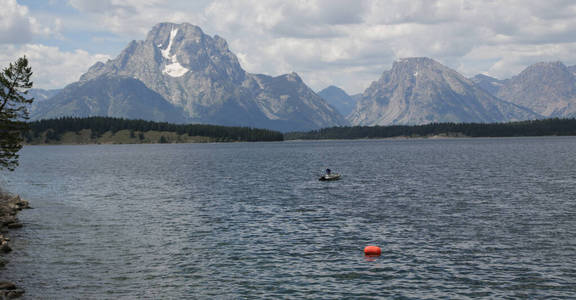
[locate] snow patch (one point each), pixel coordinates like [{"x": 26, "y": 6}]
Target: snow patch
[
  {"x": 166, "y": 52},
  {"x": 173, "y": 68}
]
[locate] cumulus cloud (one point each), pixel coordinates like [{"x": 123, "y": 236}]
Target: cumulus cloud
[
  {"x": 343, "y": 42},
  {"x": 52, "y": 67},
  {"x": 135, "y": 17},
  {"x": 492, "y": 37},
  {"x": 16, "y": 24}
]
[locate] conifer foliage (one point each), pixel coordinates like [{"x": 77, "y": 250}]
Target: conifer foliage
[{"x": 14, "y": 85}]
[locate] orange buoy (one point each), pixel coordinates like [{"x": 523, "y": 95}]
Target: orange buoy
[{"x": 372, "y": 251}]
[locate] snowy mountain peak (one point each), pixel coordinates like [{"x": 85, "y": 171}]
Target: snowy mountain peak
[
  {"x": 172, "y": 67},
  {"x": 198, "y": 74}
]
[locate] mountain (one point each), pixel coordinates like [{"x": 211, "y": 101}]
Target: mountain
[
  {"x": 40, "y": 95},
  {"x": 339, "y": 99},
  {"x": 487, "y": 83},
  {"x": 199, "y": 75},
  {"x": 547, "y": 88},
  {"x": 291, "y": 104},
  {"x": 421, "y": 90},
  {"x": 112, "y": 96},
  {"x": 572, "y": 69}
]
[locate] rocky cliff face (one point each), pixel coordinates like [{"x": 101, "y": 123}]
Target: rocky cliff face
[
  {"x": 421, "y": 90},
  {"x": 339, "y": 99},
  {"x": 199, "y": 74},
  {"x": 289, "y": 102},
  {"x": 546, "y": 88}
]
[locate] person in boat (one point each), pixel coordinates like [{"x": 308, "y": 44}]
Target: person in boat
[{"x": 328, "y": 172}]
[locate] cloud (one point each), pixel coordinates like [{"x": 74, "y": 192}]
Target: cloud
[
  {"x": 134, "y": 17},
  {"x": 16, "y": 24},
  {"x": 343, "y": 42},
  {"x": 52, "y": 67},
  {"x": 306, "y": 37}
]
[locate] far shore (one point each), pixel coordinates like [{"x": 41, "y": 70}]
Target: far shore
[{"x": 199, "y": 140}]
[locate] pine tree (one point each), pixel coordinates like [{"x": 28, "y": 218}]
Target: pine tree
[{"x": 14, "y": 85}]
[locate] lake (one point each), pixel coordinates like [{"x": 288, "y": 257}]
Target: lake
[{"x": 456, "y": 218}]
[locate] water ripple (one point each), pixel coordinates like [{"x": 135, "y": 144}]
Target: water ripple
[{"x": 477, "y": 218}]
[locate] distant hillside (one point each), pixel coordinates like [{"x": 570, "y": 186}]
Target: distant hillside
[
  {"x": 549, "y": 127},
  {"x": 339, "y": 99},
  {"x": 109, "y": 96},
  {"x": 106, "y": 130},
  {"x": 39, "y": 96}
]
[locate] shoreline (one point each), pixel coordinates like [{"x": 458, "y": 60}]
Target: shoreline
[
  {"x": 10, "y": 206},
  {"x": 401, "y": 138}
]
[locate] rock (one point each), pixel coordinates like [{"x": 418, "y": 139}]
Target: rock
[
  {"x": 8, "y": 219},
  {"x": 24, "y": 204},
  {"x": 4, "y": 221},
  {"x": 14, "y": 293},
  {"x": 9, "y": 207},
  {"x": 14, "y": 225},
  {"x": 4, "y": 247},
  {"x": 7, "y": 285},
  {"x": 9, "y": 290}
]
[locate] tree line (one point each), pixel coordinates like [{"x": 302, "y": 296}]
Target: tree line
[
  {"x": 54, "y": 128},
  {"x": 547, "y": 127}
]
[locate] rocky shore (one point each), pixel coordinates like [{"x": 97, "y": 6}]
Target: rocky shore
[{"x": 9, "y": 207}]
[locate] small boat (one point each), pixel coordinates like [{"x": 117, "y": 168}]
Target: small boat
[{"x": 333, "y": 176}]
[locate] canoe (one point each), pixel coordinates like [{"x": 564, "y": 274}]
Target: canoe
[{"x": 330, "y": 177}]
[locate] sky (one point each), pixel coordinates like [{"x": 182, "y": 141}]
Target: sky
[{"x": 347, "y": 43}]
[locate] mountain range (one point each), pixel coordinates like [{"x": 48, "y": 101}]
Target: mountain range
[
  {"x": 547, "y": 88},
  {"x": 196, "y": 79},
  {"x": 421, "y": 90},
  {"x": 179, "y": 74}
]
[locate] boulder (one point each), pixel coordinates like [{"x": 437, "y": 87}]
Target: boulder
[
  {"x": 14, "y": 294},
  {"x": 14, "y": 225},
  {"x": 7, "y": 285},
  {"x": 4, "y": 247}
]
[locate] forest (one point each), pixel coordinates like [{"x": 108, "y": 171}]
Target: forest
[
  {"x": 53, "y": 129},
  {"x": 547, "y": 127}
]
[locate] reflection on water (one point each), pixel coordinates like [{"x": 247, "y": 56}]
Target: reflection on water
[{"x": 455, "y": 218}]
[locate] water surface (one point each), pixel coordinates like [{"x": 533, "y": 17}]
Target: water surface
[{"x": 456, "y": 218}]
